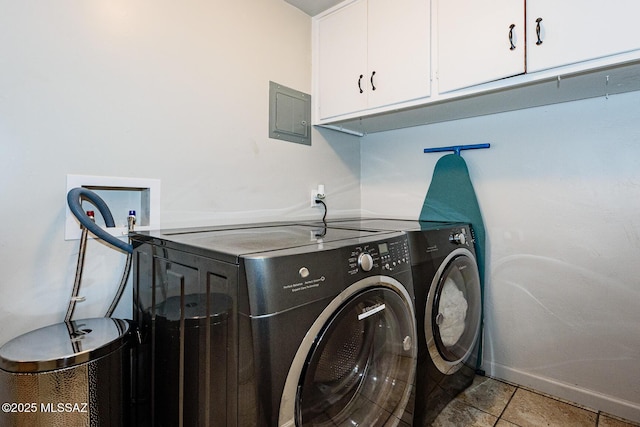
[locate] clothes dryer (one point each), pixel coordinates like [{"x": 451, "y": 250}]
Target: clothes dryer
[
  {"x": 448, "y": 307},
  {"x": 276, "y": 325}
]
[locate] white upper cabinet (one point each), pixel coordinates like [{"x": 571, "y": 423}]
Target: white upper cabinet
[
  {"x": 566, "y": 32},
  {"x": 373, "y": 59},
  {"x": 342, "y": 60},
  {"x": 399, "y": 50},
  {"x": 370, "y": 54},
  {"x": 479, "y": 41}
]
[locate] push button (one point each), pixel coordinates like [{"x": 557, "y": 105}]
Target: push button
[{"x": 303, "y": 272}]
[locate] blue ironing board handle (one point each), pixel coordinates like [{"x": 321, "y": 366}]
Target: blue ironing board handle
[{"x": 457, "y": 148}]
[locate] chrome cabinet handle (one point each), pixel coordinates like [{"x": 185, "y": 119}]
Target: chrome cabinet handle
[
  {"x": 538, "y": 21},
  {"x": 373, "y": 87},
  {"x": 359, "y": 80},
  {"x": 511, "y": 27}
]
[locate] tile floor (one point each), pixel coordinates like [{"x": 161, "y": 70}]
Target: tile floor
[{"x": 489, "y": 402}]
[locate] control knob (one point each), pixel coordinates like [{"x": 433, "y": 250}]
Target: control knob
[
  {"x": 458, "y": 238},
  {"x": 365, "y": 261}
]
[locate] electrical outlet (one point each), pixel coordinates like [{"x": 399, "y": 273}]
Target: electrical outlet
[
  {"x": 317, "y": 194},
  {"x": 314, "y": 197}
]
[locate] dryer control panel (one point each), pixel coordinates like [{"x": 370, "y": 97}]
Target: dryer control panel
[{"x": 379, "y": 257}]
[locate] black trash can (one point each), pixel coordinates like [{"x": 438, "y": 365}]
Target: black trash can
[{"x": 74, "y": 373}]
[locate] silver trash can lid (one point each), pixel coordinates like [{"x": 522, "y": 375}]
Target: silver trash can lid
[{"x": 63, "y": 344}]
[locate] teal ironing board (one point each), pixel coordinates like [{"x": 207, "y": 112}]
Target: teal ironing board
[{"x": 451, "y": 198}]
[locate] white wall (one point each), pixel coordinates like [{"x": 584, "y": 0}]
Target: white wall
[
  {"x": 560, "y": 196},
  {"x": 176, "y": 91}
]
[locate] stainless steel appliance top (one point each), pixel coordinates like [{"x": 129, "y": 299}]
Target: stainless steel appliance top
[{"x": 228, "y": 244}]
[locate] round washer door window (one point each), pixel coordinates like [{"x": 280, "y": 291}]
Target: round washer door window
[
  {"x": 360, "y": 368},
  {"x": 453, "y": 312}
]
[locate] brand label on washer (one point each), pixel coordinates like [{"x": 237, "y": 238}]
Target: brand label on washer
[
  {"x": 307, "y": 284},
  {"x": 370, "y": 311}
]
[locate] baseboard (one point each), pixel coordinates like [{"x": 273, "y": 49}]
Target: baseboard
[{"x": 588, "y": 398}]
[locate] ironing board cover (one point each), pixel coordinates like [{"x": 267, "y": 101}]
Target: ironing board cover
[{"x": 451, "y": 198}]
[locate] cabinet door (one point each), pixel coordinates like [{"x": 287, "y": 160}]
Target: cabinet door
[
  {"x": 342, "y": 59},
  {"x": 573, "y": 31},
  {"x": 477, "y": 43},
  {"x": 399, "y": 38}
]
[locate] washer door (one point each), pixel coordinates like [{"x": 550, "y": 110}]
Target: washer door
[
  {"x": 453, "y": 311},
  {"x": 356, "y": 365}
]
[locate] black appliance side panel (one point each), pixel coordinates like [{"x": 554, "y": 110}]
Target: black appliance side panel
[{"x": 186, "y": 367}]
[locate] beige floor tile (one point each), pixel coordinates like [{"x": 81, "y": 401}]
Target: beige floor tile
[
  {"x": 488, "y": 395},
  {"x": 457, "y": 414},
  {"x": 503, "y": 423},
  {"x": 557, "y": 398},
  {"x": 608, "y": 421},
  {"x": 528, "y": 409}
]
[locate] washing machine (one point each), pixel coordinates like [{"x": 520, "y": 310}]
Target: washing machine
[
  {"x": 448, "y": 307},
  {"x": 275, "y": 325}
]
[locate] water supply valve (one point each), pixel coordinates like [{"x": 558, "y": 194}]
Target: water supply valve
[{"x": 131, "y": 221}]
